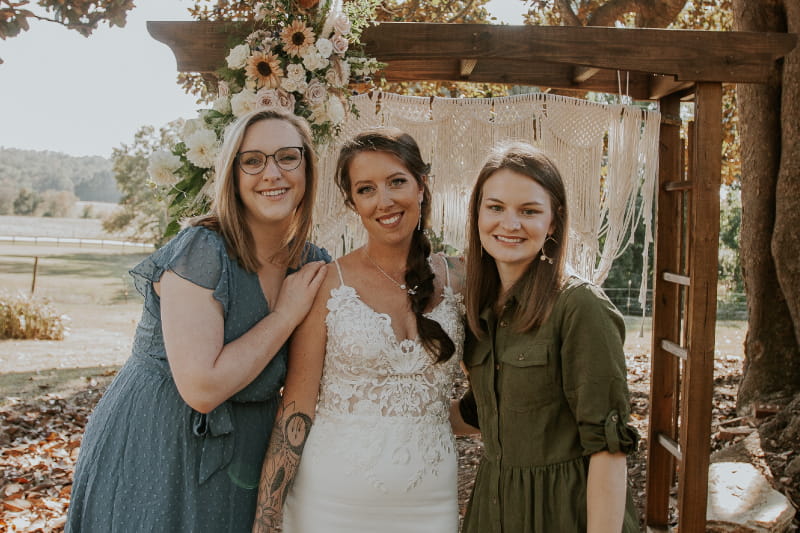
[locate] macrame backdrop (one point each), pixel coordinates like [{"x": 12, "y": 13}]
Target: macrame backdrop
[{"x": 607, "y": 155}]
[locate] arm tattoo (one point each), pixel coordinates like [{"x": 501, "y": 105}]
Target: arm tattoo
[{"x": 286, "y": 445}]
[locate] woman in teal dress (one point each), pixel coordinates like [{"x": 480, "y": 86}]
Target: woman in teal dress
[
  {"x": 546, "y": 368},
  {"x": 176, "y": 443}
]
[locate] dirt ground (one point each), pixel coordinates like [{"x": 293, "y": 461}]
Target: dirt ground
[{"x": 48, "y": 396}]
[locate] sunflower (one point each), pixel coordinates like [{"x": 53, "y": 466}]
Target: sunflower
[
  {"x": 297, "y": 38},
  {"x": 265, "y": 69}
]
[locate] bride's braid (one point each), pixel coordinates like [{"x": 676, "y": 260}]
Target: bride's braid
[{"x": 419, "y": 273}]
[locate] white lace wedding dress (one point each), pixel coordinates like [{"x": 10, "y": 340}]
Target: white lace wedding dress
[{"x": 380, "y": 457}]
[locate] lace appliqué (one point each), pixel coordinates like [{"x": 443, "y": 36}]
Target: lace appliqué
[{"x": 380, "y": 397}]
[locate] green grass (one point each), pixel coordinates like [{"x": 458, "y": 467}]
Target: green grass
[{"x": 69, "y": 275}]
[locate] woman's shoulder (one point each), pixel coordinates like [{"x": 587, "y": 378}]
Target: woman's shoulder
[{"x": 580, "y": 297}]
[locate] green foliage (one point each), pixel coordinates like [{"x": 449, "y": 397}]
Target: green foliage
[
  {"x": 27, "y": 202},
  {"x": 27, "y": 318},
  {"x": 143, "y": 210},
  {"x": 730, "y": 222}
]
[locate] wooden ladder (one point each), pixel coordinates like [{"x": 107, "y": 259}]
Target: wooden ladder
[{"x": 684, "y": 312}]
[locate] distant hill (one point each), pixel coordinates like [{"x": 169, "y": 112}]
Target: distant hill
[{"x": 90, "y": 178}]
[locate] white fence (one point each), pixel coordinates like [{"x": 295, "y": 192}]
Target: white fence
[{"x": 71, "y": 241}]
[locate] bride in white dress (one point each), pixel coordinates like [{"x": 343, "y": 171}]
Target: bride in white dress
[{"x": 362, "y": 442}]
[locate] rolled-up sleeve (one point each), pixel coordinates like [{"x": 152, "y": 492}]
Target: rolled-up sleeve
[{"x": 594, "y": 373}]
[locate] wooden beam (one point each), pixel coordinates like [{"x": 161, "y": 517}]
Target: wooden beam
[{"x": 686, "y": 55}]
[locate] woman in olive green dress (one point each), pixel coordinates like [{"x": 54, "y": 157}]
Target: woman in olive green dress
[{"x": 544, "y": 355}]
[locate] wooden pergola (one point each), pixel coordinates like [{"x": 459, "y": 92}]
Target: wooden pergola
[{"x": 669, "y": 66}]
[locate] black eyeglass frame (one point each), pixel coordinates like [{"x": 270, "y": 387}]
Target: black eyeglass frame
[{"x": 301, "y": 149}]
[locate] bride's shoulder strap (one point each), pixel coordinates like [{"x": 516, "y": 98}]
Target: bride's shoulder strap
[{"x": 339, "y": 270}]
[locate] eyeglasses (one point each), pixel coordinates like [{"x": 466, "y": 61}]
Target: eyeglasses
[{"x": 254, "y": 161}]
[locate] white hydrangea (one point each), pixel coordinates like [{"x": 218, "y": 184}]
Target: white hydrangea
[
  {"x": 202, "y": 148},
  {"x": 243, "y": 102},
  {"x": 237, "y": 58},
  {"x": 161, "y": 167},
  {"x": 222, "y": 105},
  {"x": 324, "y": 47}
]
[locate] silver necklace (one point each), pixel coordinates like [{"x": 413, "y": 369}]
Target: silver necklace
[{"x": 402, "y": 286}]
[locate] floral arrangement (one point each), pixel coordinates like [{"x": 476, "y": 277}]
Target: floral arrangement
[{"x": 302, "y": 56}]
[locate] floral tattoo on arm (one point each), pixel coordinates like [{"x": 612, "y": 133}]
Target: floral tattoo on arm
[{"x": 286, "y": 445}]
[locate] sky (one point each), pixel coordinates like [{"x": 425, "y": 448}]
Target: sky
[{"x": 82, "y": 96}]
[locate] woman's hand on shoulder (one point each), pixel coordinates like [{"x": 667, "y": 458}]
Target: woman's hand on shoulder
[{"x": 298, "y": 292}]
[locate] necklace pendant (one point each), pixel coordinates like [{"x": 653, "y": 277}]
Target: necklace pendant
[{"x": 403, "y": 287}]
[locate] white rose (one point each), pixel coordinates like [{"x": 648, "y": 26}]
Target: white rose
[
  {"x": 335, "y": 109},
  {"x": 161, "y": 167},
  {"x": 202, "y": 148},
  {"x": 341, "y": 24},
  {"x": 237, "y": 57},
  {"x": 267, "y": 97},
  {"x": 316, "y": 93},
  {"x": 295, "y": 72},
  {"x": 191, "y": 126},
  {"x": 324, "y": 47},
  {"x": 286, "y": 100},
  {"x": 340, "y": 44},
  {"x": 313, "y": 60},
  {"x": 222, "y": 105},
  {"x": 243, "y": 102}
]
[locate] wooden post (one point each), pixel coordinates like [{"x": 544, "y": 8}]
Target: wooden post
[
  {"x": 666, "y": 317},
  {"x": 698, "y": 382},
  {"x": 35, "y": 268}
]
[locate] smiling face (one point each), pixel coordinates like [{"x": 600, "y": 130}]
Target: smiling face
[
  {"x": 385, "y": 195},
  {"x": 514, "y": 219},
  {"x": 270, "y": 197}
]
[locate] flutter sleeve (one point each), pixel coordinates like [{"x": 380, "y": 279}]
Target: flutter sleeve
[
  {"x": 594, "y": 373},
  {"x": 196, "y": 254}
]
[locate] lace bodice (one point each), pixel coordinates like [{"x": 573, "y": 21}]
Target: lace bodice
[{"x": 372, "y": 380}]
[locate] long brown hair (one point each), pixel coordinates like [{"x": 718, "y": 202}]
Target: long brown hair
[
  {"x": 227, "y": 215},
  {"x": 539, "y": 285},
  {"x": 419, "y": 272}
]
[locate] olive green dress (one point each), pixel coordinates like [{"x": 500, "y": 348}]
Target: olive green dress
[{"x": 546, "y": 401}]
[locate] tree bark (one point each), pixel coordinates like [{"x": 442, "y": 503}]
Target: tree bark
[{"x": 770, "y": 145}]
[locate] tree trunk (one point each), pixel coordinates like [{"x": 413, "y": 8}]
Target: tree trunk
[{"x": 770, "y": 247}]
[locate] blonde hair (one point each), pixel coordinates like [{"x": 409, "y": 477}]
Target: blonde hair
[
  {"x": 541, "y": 282},
  {"x": 227, "y": 215}
]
